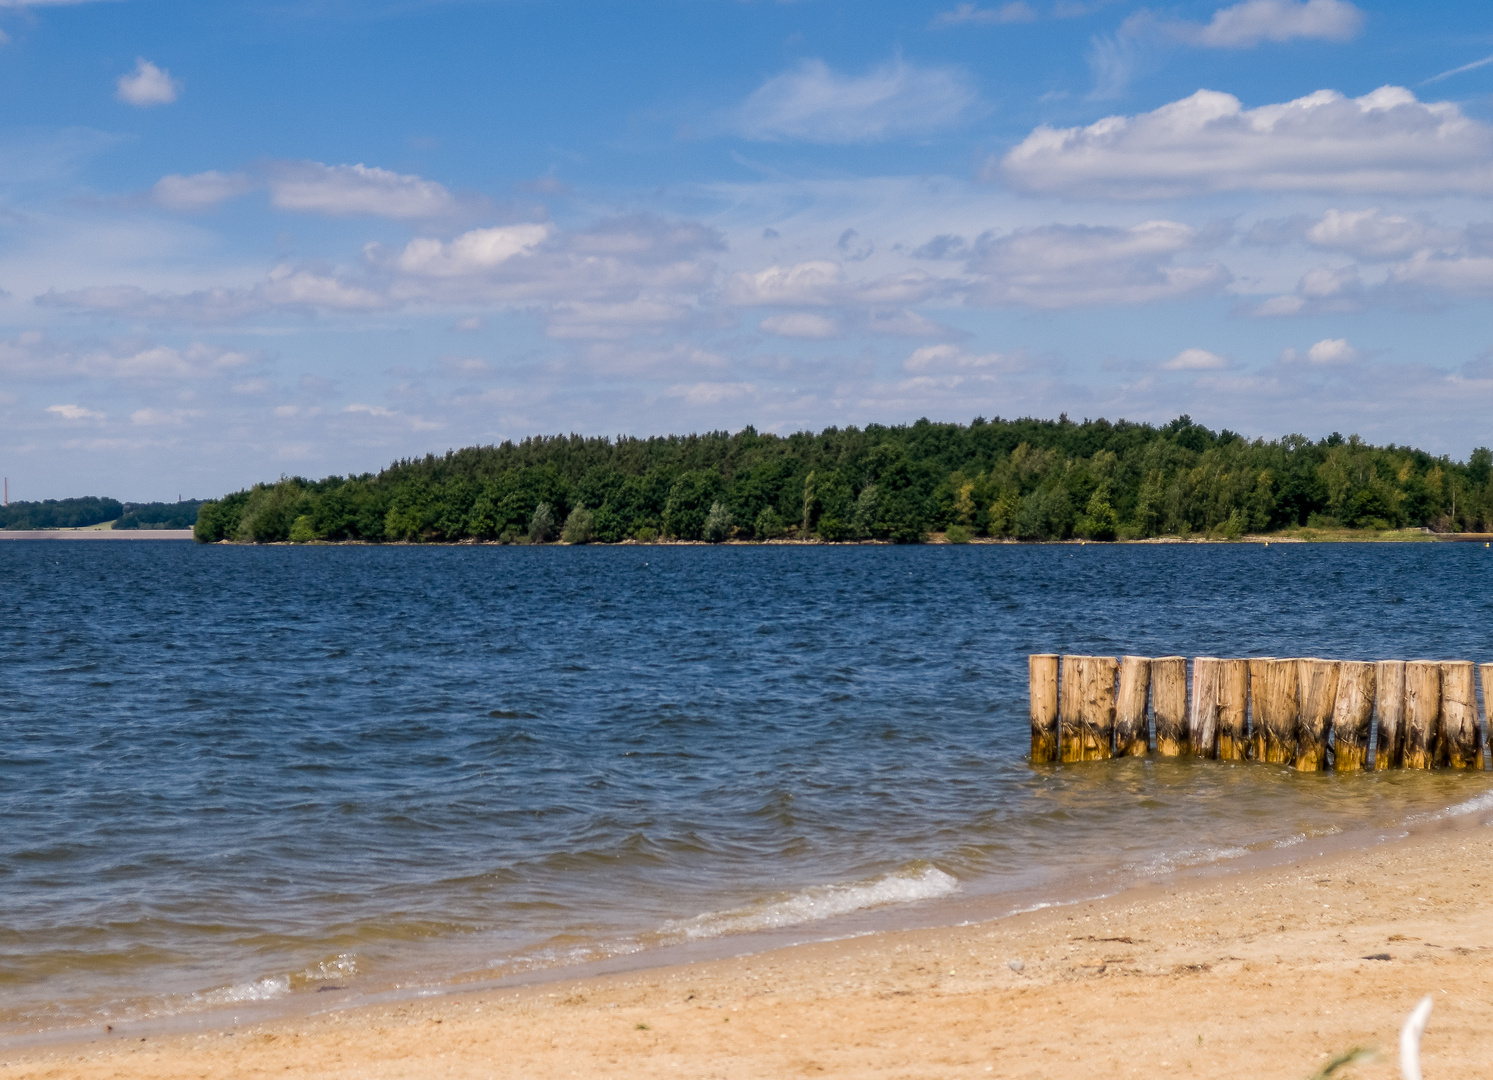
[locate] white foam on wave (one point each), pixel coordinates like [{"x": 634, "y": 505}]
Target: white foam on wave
[
  {"x": 261, "y": 990},
  {"x": 819, "y": 903},
  {"x": 1476, "y": 805}
]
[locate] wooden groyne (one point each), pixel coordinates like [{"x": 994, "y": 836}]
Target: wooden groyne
[{"x": 1309, "y": 713}]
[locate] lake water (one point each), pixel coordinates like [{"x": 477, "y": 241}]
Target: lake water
[{"x": 232, "y": 775}]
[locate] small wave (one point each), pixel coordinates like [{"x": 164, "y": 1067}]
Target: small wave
[
  {"x": 262, "y": 990},
  {"x": 1475, "y": 805},
  {"x": 819, "y": 902}
]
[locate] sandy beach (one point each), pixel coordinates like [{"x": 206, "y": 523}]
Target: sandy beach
[{"x": 1270, "y": 972}]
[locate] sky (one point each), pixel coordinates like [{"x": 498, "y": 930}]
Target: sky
[{"x": 307, "y": 237}]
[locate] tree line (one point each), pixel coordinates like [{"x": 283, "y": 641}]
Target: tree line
[
  {"x": 1023, "y": 479},
  {"x": 89, "y": 510}
]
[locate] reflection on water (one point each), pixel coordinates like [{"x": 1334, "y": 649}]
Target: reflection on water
[{"x": 238, "y": 775}]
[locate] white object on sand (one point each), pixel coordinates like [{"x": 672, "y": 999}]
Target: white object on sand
[{"x": 1415, "y": 1027}]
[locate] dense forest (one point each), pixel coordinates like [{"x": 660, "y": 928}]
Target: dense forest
[
  {"x": 60, "y": 513},
  {"x": 93, "y": 510},
  {"x": 1023, "y": 479}
]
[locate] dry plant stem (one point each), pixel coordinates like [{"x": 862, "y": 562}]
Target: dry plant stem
[
  {"x": 1097, "y": 674},
  {"x": 1422, "y": 711},
  {"x": 1132, "y": 727},
  {"x": 1277, "y": 710},
  {"x": 1458, "y": 736},
  {"x": 1070, "y": 696},
  {"x": 1169, "y": 704},
  {"x": 1233, "y": 715},
  {"x": 1352, "y": 716},
  {"x": 1318, "y": 692},
  {"x": 1389, "y": 677},
  {"x": 1202, "y": 720},
  {"x": 1042, "y": 670},
  {"x": 1257, "y": 668}
]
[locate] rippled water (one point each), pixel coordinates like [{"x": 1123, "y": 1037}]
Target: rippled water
[{"x": 230, "y": 774}]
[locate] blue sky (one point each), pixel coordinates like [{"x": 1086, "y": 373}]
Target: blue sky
[{"x": 253, "y": 239}]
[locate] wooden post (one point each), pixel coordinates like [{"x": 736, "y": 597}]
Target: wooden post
[
  {"x": 1485, "y": 674},
  {"x": 1169, "y": 704},
  {"x": 1070, "y": 695},
  {"x": 1233, "y": 719},
  {"x": 1202, "y": 720},
  {"x": 1458, "y": 739},
  {"x": 1098, "y": 708},
  {"x": 1422, "y": 709},
  {"x": 1278, "y": 709},
  {"x": 1042, "y": 676},
  {"x": 1132, "y": 727},
  {"x": 1389, "y": 679},
  {"x": 1352, "y": 716},
  {"x": 1256, "y": 697},
  {"x": 1318, "y": 693}
]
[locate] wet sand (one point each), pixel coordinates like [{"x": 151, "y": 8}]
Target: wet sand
[{"x": 1266, "y": 973}]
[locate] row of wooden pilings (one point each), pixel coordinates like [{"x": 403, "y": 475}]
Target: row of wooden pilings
[{"x": 1309, "y": 713}]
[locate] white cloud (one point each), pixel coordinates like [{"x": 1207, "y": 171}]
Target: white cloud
[
  {"x": 643, "y": 315},
  {"x": 812, "y": 284},
  {"x": 164, "y": 417},
  {"x": 74, "y": 412},
  {"x": 1330, "y": 351},
  {"x": 471, "y": 252},
  {"x": 1384, "y": 141},
  {"x": 1058, "y": 266},
  {"x": 147, "y": 85},
  {"x": 711, "y": 393},
  {"x": 1461, "y": 274},
  {"x": 1247, "y": 24},
  {"x": 1195, "y": 360},
  {"x": 33, "y": 356},
  {"x": 813, "y": 104},
  {"x": 1017, "y": 11},
  {"x": 952, "y": 358},
  {"x": 348, "y": 190},
  {"x": 1374, "y": 235},
  {"x": 800, "y": 324},
  {"x": 200, "y": 191}
]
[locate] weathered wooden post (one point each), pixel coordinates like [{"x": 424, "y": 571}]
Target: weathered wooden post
[
  {"x": 1422, "y": 710},
  {"x": 1132, "y": 727},
  {"x": 1352, "y": 716},
  {"x": 1042, "y": 677},
  {"x": 1233, "y": 719},
  {"x": 1169, "y": 704},
  {"x": 1278, "y": 709},
  {"x": 1485, "y": 674},
  {"x": 1389, "y": 697},
  {"x": 1202, "y": 720},
  {"x": 1458, "y": 737},
  {"x": 1256, "y": 696},
  {"x": 1070, "y": 699},
  {"x": 1098, "y": 709},
  {"x": 1318, "y": 693}
]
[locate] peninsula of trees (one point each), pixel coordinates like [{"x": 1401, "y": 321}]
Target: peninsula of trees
[{"x": 1022, "y": 479}]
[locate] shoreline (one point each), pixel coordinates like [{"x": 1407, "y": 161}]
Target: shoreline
[{"x": 1272, "y": 968}]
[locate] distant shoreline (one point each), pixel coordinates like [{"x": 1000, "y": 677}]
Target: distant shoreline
[{"x": 96, "y": 534}]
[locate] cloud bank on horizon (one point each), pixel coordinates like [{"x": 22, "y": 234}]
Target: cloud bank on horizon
[{"x": 255, "y": 242}]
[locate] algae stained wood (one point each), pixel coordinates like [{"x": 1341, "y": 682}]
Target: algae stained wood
[
  {"x": 1457, "y": 728},
  {"x": 1318, "y": 693},
  {"x": 1042, "y": 679},
  {"x": 1233, "y": 715},
  {"x": 1257, "y": 668},
  {"x": 1352, "y": 716},
  {"x": 1422, "y": 711},
  {"x": 1278, "y": 710},
  {"x": 1389, "y": 714},
  {"x": 1202, "y": 719},
  {"x": 1169, "y": 704},
  {"x": 1070, "y": 697},
  {"x": 1132, "y": 726},
  {"x": 1485, "y": 675},
  {"x": 1098, "y": 707}
]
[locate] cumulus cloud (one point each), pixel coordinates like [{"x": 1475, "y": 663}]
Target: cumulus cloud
[
  {"x": 801, "y": 324},
  {"x": 146, "y": 86},
  {"x": 1057, "y": 266},
  {"x": 950, "y": 358},
  {"x": 33, "y": 356},
  {"x": 818, "y": 283},
  {"x": 1330, "y": 351},
  {"x": 1384, "y": 141},
  {"x": 1017, "y": 11},
  {"x": 471, "y": 252},
  {"x": 1373, "y": 235},
  {"x": 200, "y": 191},
  {"x": 1248, "y": 24},
  {"x": 353, "y": 190},
  {"x": 812, "y": 103},
  {"x": 1195, "y": 360},
  {"x": 74, "y": 412}
]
